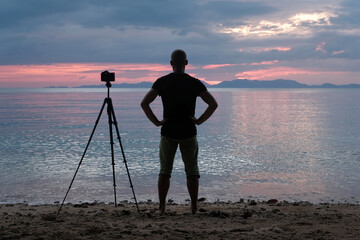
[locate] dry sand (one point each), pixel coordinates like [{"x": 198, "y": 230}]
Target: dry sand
[{"x": 242, "y": 220}]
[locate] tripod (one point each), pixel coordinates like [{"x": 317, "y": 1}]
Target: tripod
[{"x": 112, "y": 120}]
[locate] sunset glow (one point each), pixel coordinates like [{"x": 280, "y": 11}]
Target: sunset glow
[
  {"x": 290, "y": 73},
  {"x": 76, "y": 74},
  {"x": 272, "y": 73}
]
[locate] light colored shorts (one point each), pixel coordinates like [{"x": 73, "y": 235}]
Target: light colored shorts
[{"x": 189, "y": 153}]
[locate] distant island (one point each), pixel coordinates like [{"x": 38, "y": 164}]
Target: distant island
[
  {"x": 278, "y": 83},
  {"x": 238, "y": 83}
]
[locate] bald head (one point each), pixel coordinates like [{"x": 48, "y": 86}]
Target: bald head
[{"x": 178, "y": 60}]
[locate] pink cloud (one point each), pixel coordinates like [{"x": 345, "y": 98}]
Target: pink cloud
[
  {"x": 261, "y": 63},
  {"x": 320, "y": 47},
  {"x": 337, "y": 52},
  {"x": 142, "y": 66},
  {"x": 273, "y": 73},
  {"x": 280, "y": 49},
  {"x": 260, "y": 49},
  {"x": 75, "y": 74},
  {"x": 310, "y": 76},
  {"x": 264, "y": 63},
  {"x": 213, "y": 66}
]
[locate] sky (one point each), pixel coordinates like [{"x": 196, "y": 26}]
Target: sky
[{"x": 69, "y": 43}]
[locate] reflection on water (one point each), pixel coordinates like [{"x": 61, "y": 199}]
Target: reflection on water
[
  {"x": 285, "y": 144},
  {"x": 276, "y": 130}
]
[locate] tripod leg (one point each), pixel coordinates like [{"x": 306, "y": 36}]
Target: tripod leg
[
  {"x": 92, "y": 133},
  {"x": 109, "y": 112},
  {"x": 122, "y": 151}
]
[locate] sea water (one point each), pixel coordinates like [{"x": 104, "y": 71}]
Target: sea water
[{"x": 289, "y": 144}]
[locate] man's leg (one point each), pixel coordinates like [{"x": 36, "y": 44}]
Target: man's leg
[
  {"x": 163, "y": 188},
  {"x": 189, "y": 151},
  {"x": 193, "y": 188},
  {"x": 167, "y": 154}
]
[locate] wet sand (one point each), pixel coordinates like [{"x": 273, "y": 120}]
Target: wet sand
[{"x": 219, "y": 220}]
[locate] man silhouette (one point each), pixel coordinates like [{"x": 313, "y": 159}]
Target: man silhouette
[{"x": 178, "y": 92}]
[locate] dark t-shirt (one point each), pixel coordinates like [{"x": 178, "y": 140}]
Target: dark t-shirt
[{"x": 178, "y": 93}]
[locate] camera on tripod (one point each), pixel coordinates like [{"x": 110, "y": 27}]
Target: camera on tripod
[{"x": 107, "y": 76}]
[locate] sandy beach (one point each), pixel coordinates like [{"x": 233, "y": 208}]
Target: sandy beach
[{"x": 219, "y": 220}]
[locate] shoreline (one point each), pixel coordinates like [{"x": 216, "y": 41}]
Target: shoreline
[
  {"x": 176, "y": 201},
  {"x": 216, "y": 220}
]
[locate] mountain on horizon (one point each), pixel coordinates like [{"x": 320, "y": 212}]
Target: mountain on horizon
[
  {"x": 237, "y": 83},
  {"x": 121, "y": 85},
  {"x": 278, "y": 83},
  {"x": 245, "y": 83}
]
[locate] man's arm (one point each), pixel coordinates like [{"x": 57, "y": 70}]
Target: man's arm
[
  {"x": 145, "y": 105},
  {"x": 212, "y": 105}
]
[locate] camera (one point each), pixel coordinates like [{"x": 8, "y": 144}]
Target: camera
[{"x": 107, "y": 76}]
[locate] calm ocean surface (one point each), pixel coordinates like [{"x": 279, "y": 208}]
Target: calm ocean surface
[{"x": 289, "y": 144}]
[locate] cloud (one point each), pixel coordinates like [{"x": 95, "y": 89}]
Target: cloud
[
  {"x": 300, "y": 24},
  {"x": 271, "y": 73},
  {"x": 75, "y": 74},
  {"x": 214, "y": 66},
  {"x": 264, "y": 63},
  {"x": 248, "y": 34},
  {"x": 266, "y": 49},
  {"x": 349, "y": 17},
  {"x": 304, "y": 75},
  {"x": 315, "y": 19},
  {"x": 321, "y": 47},
  {"x": 337, "y": 52},
  {"x": 40, "y": 31},
  {"x": 280, "y": 49},
  {"x": 20, "y": 15},
  {"x": 119, "y": 13}
]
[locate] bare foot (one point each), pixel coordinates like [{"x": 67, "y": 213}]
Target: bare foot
[
  {"x": 160, "y": 212},
  {"x": 193, "y": 209}
]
